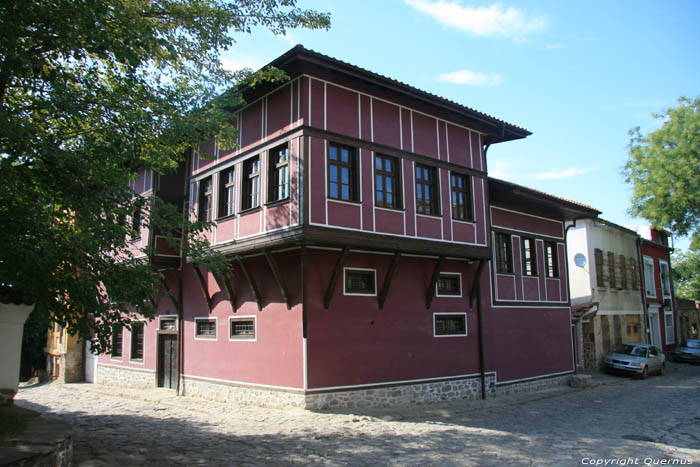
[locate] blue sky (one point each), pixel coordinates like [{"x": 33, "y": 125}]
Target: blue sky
[{"x": 578, "y": 75}]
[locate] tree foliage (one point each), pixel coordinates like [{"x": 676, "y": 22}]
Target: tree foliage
[
  {"x": 92, "y": 93},
  {"x": 664, "y": 169},
  {"x": 686, "y": 274}
]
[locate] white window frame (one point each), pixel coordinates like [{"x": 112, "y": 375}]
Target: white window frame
[
  {"x": 648, "y": 260},
  {"x": 667, "y": 313},
  {"x": 435, "y": 314},
  {"x": 240, "y": 318},
  {"x": 141, "y": 361},
  {"x": 216, "y": 328},
  {"x": 345, "y": 292},
  {"x": 667, "y": 282},
  {"x": 168, "y": 317},
  {"x": 459, "y": 276}
]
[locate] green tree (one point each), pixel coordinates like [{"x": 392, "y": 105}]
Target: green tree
[
  {"x": 91, "y": 93},
  {"x": 664, "y": 170},
  {"x": 686, "y": 274}
]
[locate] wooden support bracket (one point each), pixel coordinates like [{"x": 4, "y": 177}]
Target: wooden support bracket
[
  {"x": 203, "y": 285},
  {"x": 170, "y": 295},
  {"x": 229, "y": 290},
  {"x": 430, "y": 293},
  {"x": 251, "y": 282},
  {"x": 334, "y": 277},
  {"x": 387, "y": 279},
  {"x": 278, "y": 278},
  {"x": 475, "y": 282}
]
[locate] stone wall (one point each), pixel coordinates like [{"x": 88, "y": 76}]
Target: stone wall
[
  {"x": 125, "y": 377},
  {"x": 420, "y": 393},
  {"x": 243, "y": 395},
  {"x": 386, "y": 396}
]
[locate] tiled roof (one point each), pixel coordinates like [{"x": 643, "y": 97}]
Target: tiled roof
[
  {"x": 542, "y": 193},
  {"x": 578, "y": 311},
  {"x": 8, "y": 295},
  {"x": 300, "y": 49}
]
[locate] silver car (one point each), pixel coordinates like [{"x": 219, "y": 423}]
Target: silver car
[
  {"x": 636, "y": 359},
  {"x": 688, "y": 351}
]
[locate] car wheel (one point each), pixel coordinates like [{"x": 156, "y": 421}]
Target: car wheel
[
  {"x": 645, "y": 373},
  {"x": 662, "y": 369}
]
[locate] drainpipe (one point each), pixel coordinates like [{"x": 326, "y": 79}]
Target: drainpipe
[{"x": 476, "y": 289}]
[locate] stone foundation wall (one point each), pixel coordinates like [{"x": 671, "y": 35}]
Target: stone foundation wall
[
  {"x": 419, "y": 393},
  {"x": 531, "y": 386},
  {"x": 125, "y": 377},
  {"x": 223, "y": 392}
]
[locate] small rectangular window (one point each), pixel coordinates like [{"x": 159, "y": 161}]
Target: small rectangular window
[
  {"x": 449, "y": 285},
  {"x": 205, "y": 328},
  {"x": 386, "y": 182},
  {"x": 278, "y": 168},
  {"x": 168, "y": 324},
  {"x": 461, "y": 197},
  {"x": 649, "y": 279},
  {"x": 342, "y": 173},
  {"x": 551, "y": 260},
  {"x": 600, "y": 280},
  {"x": 665, "y": 279},
  {"x": 205, "y": 197},
  {"x": 117, "y": 341},
  {"x": 227, "y": 192},
  {"x": 529, "y": 257},
  {"x": 427, "y": 199},
  {"x": 450, "y": 324},
  {"x": 360, "y": 282},
  {"x": 623, "y": 271},
  {"x": 242, "y": 328},
  {"x": 611, "y": 270},
  {"x": 504, "y": 254},
  {"x": 251, "y": 183},
  {"x": 137, "y": 341}
]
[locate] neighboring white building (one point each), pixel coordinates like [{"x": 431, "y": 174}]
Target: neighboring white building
[{"x": 604, "y": 281}]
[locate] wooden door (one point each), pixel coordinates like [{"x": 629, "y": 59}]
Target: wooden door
[{"x": 167, "y": 361}]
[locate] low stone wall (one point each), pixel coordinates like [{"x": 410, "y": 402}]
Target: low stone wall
[
  {"x": 417, "y": 393},
  {"x": 532, "y": 386},
  {"x": 42, "y": 443},
  {"x": 125, "y": 377},
  {"x": 384, "y": 396},
  {"x": 243, "y": 395}
]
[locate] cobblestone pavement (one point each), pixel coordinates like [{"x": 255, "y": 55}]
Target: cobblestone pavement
[{"x": 618, "y": 418}]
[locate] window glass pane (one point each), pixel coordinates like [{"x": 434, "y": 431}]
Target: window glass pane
[{"x": 333, "y": 153}]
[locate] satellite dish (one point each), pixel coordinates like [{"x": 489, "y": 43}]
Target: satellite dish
[{"x": 580, "y": 260}]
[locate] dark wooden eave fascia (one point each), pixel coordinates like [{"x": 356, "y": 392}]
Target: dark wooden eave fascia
[
  {"x": 430, "y": 293},
  {"x": 203, "y": 285},
  {"x": 387, "y": 279},
  {"x": 278, "y": 277},
  {"x": 334, "y": 277},
  {"x": 251, "y": 281},
  {"x": 328, "y": 236}
]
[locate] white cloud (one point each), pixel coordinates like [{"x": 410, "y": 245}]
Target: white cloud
[
  {"x": 471, "y": 78},
  {"x": 508, "y": 170},
  {"x": 493, "y": 20},
  {"x": 564, "y": 173},
  {"x": 235, "y": 64}
]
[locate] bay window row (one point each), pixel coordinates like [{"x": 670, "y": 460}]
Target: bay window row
[
  {"x": 504, "y": 256},
  {"x": 343, "y": 184},
  {"x": 278, "y": 186}
]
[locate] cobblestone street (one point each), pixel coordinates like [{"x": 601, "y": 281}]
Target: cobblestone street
[{"x": 618, "y": 418}]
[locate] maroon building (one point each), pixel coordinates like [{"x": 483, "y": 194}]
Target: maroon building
[
  {"x": 657, "y": 288},
  {"x": 375, "y": 261}
]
